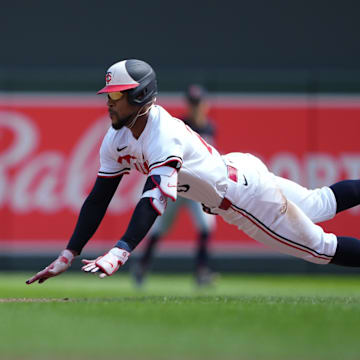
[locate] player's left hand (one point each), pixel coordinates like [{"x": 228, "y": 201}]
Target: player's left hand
[{"x": 107, "y": 264}]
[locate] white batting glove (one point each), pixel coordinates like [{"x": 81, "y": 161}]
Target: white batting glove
[
  {"x": 107, "y": 264},
  {"x": 62, "y": 263}
]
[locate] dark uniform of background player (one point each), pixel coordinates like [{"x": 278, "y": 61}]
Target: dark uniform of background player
[{"x": 197, "y": 118}]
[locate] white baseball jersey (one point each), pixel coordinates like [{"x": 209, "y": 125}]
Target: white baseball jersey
[
  {"x": 202, "y": 176},
  {"x": 238, "y": 187}
]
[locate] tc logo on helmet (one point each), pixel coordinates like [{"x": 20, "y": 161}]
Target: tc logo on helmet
[{"x": 108, "y": 77}]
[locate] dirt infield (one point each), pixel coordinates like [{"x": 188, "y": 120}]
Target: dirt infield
[{"x": 32, "y": 300}]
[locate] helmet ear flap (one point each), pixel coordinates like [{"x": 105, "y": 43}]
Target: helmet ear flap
[{"x": 145, "y": 92}]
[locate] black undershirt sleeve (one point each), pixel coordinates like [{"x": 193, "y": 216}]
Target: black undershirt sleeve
[
  {"x": 143, "y": 217},
  {"x": 92, "y": 212},
  {"x": 141, "y": 221}
]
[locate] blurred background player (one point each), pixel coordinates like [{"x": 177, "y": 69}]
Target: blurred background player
[{"x": 197, "y": 118}]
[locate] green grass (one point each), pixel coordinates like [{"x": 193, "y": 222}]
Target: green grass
[{"x": 242, "y": 317}]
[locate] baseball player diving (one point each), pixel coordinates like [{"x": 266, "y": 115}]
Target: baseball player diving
[{"x": 237, "y": 186}]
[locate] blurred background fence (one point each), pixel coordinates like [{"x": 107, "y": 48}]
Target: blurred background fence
[
  {"x": 283, "y": 79},
  {"x": 259, "y": 45}
]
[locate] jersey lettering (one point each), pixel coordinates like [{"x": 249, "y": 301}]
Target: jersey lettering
[
  {"x": 183, "y": 188},
  {"x": 126, "y": 158},
  {"x": 132, "y": 161},
  {"x": 142, "y": 168}
]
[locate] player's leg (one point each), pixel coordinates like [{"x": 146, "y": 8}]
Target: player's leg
[
  {"x": 260, "y": 208},
  {"x": 347, "y": 194},
  {"x": 205, "y": 224},
  {"x": 159, "y": 229},
  {"x": 323, "y": 203},
  {"x": 318, "y": 204},
  {"x": 270, "y": 218}
]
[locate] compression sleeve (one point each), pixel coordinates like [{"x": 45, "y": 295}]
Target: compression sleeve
[
  {"x": 141, "y": 221},
  {"x": 93, "y": 211}
]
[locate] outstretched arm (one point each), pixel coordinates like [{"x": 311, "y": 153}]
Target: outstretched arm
[
  {"x": 160, "y": 185},
  {"x": 141, "y": 221},
  {"x": 91, "y": 214}
]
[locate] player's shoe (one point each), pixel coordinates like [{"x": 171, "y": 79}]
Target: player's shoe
[
  {"x": 205, "y": 277},
  {"x": 138, "y": 273}
]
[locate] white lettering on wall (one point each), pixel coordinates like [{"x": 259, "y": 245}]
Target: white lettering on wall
[
  {"x": 320, "y": 169},
  {"x": 50, "y": 181},
  {"x": 286, "y": 165},
  {"x": 24, "y": 140}
]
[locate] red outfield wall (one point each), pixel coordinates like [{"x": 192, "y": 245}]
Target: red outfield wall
[{"x": 49, "y": 158}]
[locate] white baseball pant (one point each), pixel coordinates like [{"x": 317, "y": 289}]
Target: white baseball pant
[{"x": 276, "y": 211}]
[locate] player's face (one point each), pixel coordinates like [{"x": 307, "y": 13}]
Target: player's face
[
  {"x": 120, "y": 111},
  {"x": 198, "y": 112}
]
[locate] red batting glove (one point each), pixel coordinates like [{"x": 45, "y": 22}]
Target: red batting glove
[
  {"x": 107, "y": 264},
  {"x": 62, "y": 263}
]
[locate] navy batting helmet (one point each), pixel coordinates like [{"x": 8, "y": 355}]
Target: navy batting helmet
[
  {"x": 195, "y": 94},
  {"x": 136, "y": 77}
]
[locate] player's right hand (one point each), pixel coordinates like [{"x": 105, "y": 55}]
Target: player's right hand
[{"x": 62, "y": 263}]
